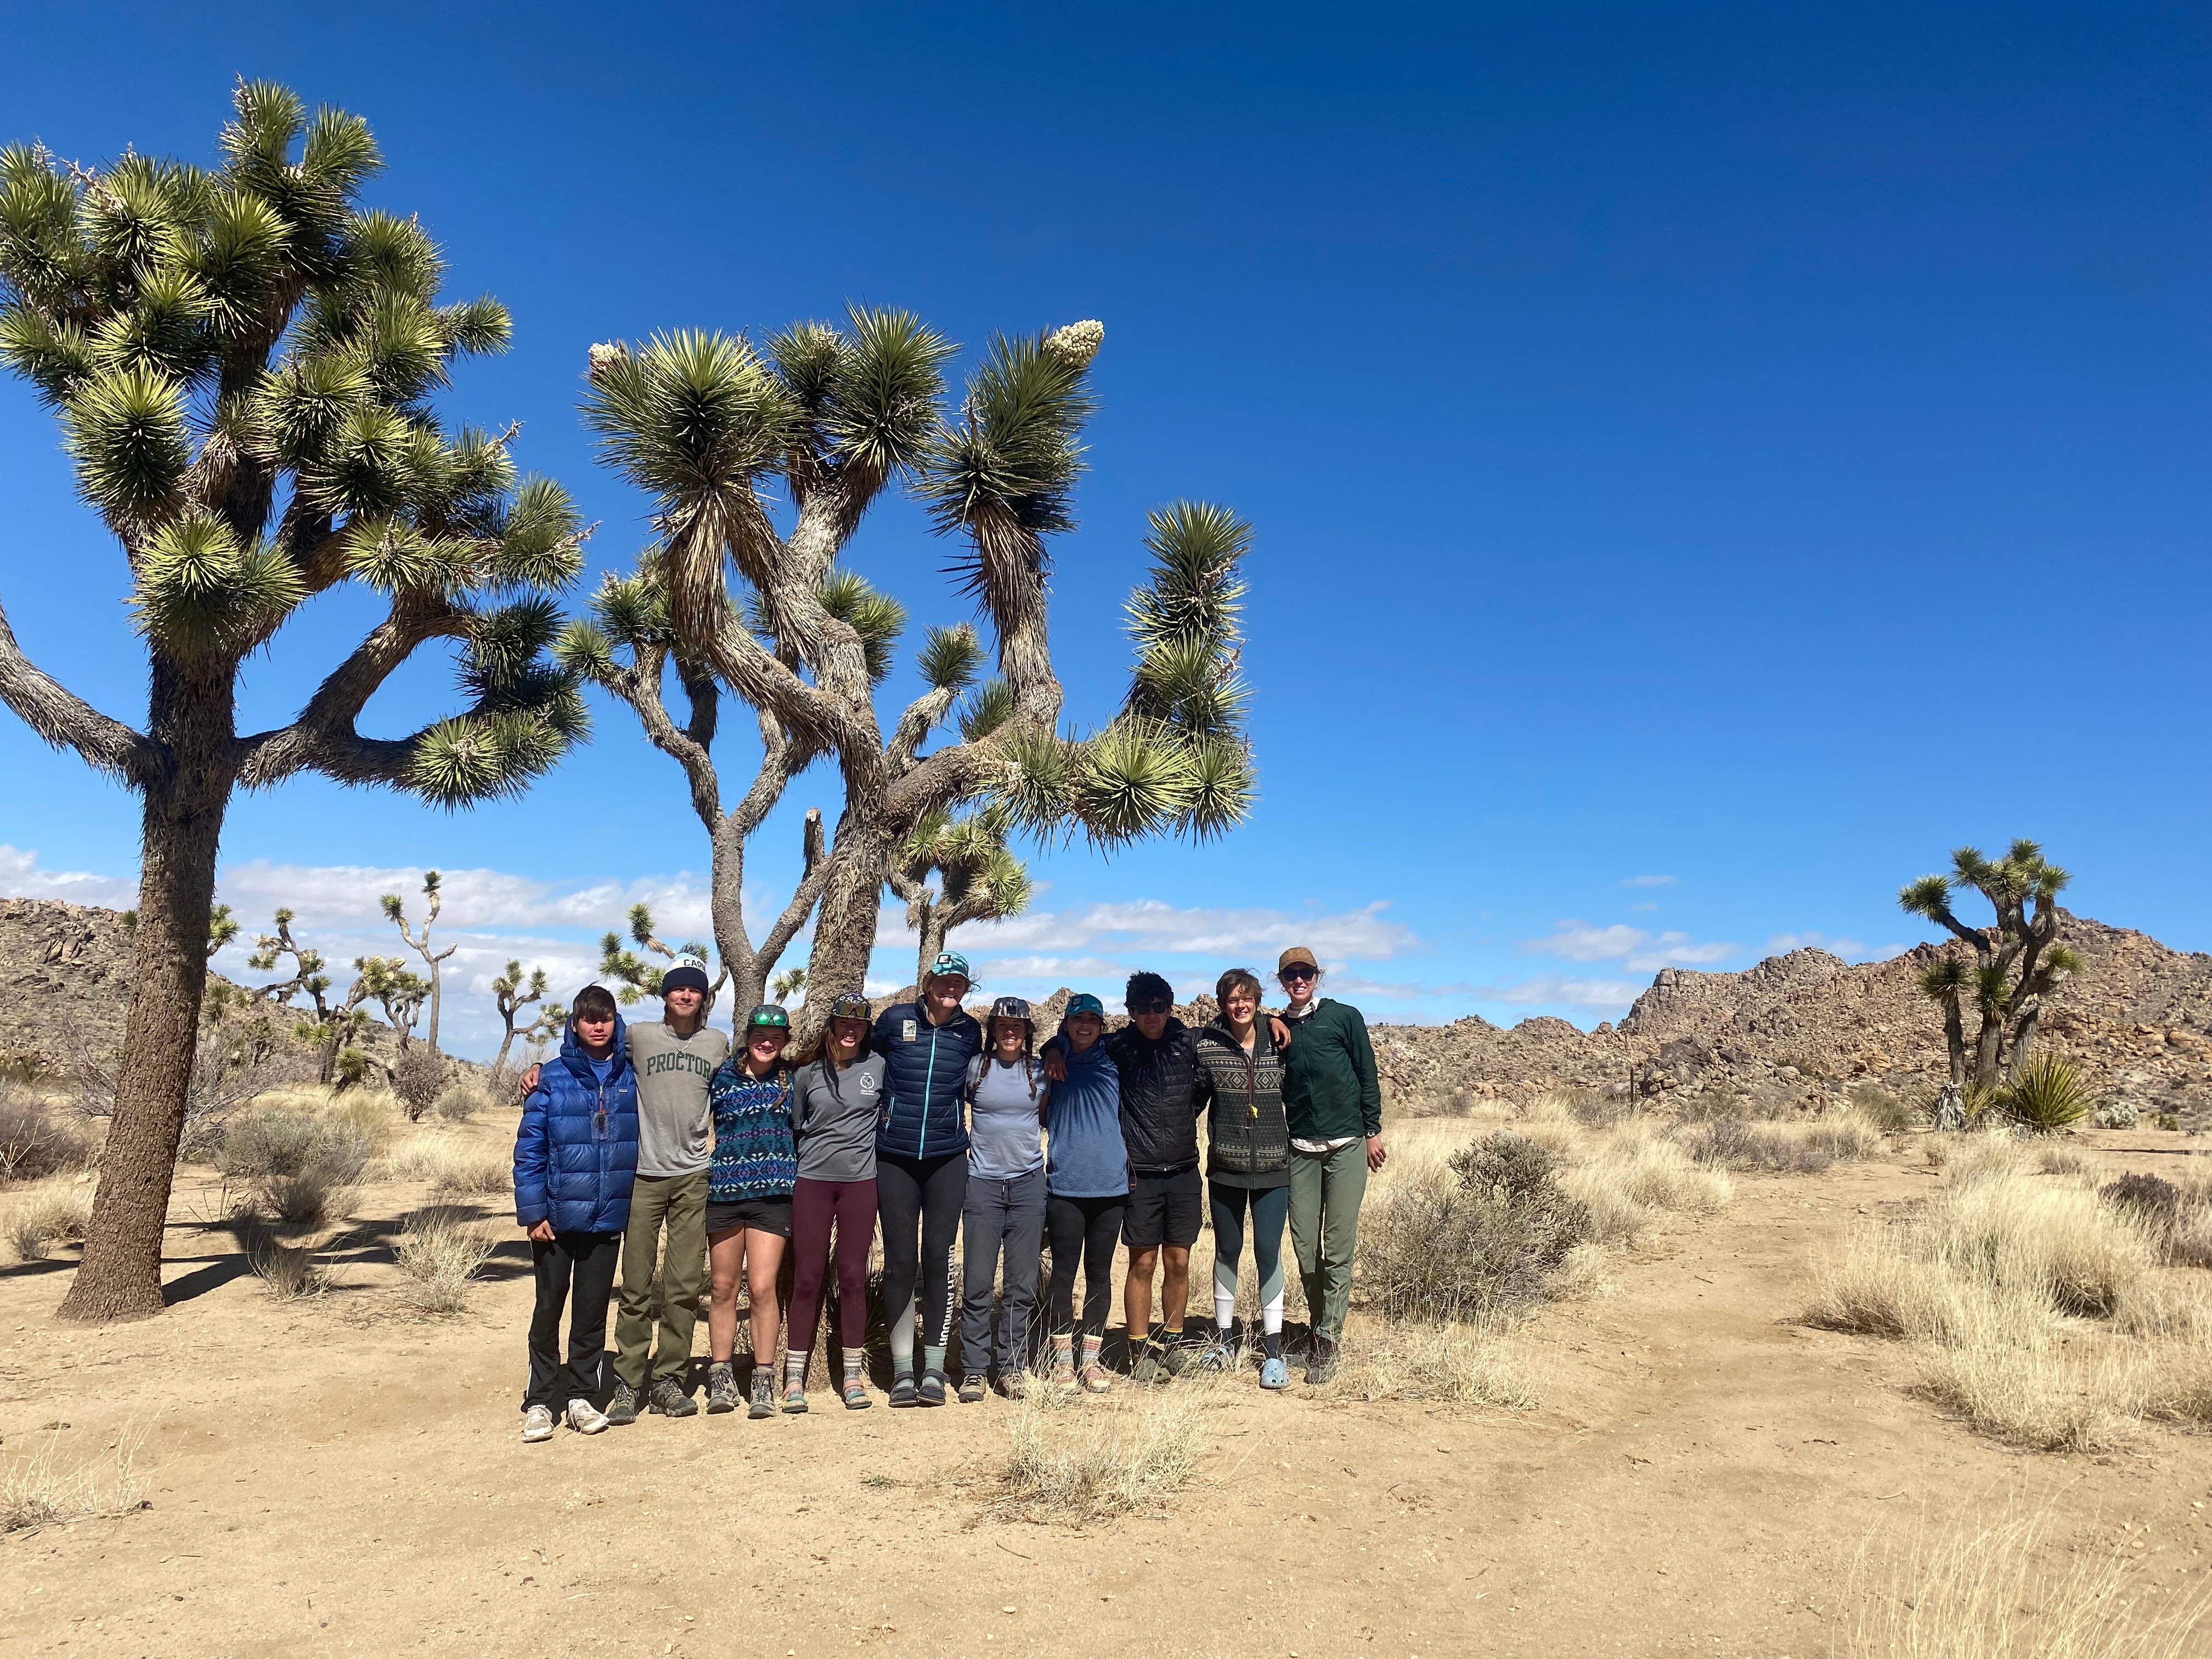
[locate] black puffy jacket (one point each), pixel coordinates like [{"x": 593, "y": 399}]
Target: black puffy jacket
[{"x": 1159, "y": 1097}]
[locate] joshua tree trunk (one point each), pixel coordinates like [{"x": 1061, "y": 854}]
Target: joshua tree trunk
[
  {"x": 929, "y": 932},
  {"x": 1954, "y": 1040},
  {"x": 121, "y": 1276},
  {"x": 845, "y": 927}
]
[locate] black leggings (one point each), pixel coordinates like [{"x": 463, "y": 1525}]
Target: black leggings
[
  {"x": 1086, "y": 1229},
  {"x": 925, "y": 1194}
]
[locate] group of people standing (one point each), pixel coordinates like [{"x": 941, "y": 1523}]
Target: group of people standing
[{"x": 662, "y": 1147}]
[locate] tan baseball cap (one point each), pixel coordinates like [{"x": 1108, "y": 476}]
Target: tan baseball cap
[{"x": 1297, "y": 953}]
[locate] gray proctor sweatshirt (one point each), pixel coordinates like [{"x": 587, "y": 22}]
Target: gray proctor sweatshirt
[{"x": 674, "y": 1118}]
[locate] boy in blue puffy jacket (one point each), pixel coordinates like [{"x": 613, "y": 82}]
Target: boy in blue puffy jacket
[{"x": 575, "y": 1155}]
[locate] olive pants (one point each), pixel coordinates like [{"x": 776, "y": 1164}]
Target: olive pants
[
  {"x": 1325, "y": 1188},
  {"x": 676, "y": 1205}
]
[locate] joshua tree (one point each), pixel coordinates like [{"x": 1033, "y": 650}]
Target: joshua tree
[
  {"x": 395, "y": 912},
  {"x": 307, "y": 967},
  {"x": 2017, "y": 962},
  {"x": 789, "y": 984},
  {"x": 552, "y": 1021},
  {"x": 242, "y": 362},
  {"x": 979, "y": 878},
  {"x": 705, "y": 424},
  {"x": 513, "y": 994},
  {"x": 639, "y": 978},
  {"x": 628, "y": 652},
  {"x": 388, "y": 983}
]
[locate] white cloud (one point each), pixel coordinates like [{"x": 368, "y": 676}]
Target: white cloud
[
  {"x": 1646, "y": 905},
  {"x": 1652, "y": 881},
  {"x": 21, "y": 876},
  {"x": 1636, "y": 950},
  {"x": 1152, "y": 925},
  {"x": 330, "y": 894},
  {"x": 1604, "y": 996}
]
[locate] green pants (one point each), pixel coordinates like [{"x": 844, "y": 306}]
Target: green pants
[
  {"x": 679, "y": 1204},
  {"x": 1325, "y": 1188}
]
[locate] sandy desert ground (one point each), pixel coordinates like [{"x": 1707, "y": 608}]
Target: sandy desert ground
[{"x": 1699, "y": 1476}]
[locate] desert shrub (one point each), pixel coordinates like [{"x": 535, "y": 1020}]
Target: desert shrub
[
  {"x": 2143, "y": 1199},
  {"x": 2169, "y": 1120},
  {"x": 2118, "y": 1115},
  {"x": 2009, "y": 1589},
  {"x": 1483, "y": 1235},
  {"x": 2050, "y": 1095},
  {"x": 301, "y": 1167},
  {"x": 1881, "y": 1108},
  {"x": 2054, "y": 1158},
  {"x": 451, "y": 1169},
  {"x": 292, "y": 1272},
  {"x": 1650, "y": 1171},
  {"x": 1468, "y": 1365},
  {"x": 244, "y": 1050},
  {"x": 1801, "y": 1148},
  {"x": 1083, "y": 1461},
  {"x": 2178, "y": 1219},
  {"x": 34, "y": 1492},
  {"x": 418, "y": 1079},
  {"x": 44, "y": 1218},
  {"x": 438, "y": 1251},
  {"x": 461, "y": 1100},
  {"x": 35, "y": 1142},
  {"x": 1595, "y": 1108}
]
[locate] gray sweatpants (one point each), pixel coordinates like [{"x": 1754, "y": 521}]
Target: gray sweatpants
[{"x": 1000, "y": 1218}]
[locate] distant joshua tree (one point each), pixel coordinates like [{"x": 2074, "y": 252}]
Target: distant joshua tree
[
  {"x": 787, "y": 984},
  {"x": 978, "y": 878},
  {"x": 639, "y": 977},
  {"x": 2016, "y": 964},
  {"x": 513, "y": 994},
  {"x": 307, "y": 968},
  {"x": 395, "y": 911}
]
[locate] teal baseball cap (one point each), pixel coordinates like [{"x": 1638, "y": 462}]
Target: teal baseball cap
[
  {"x": 1083, "y": 1003},
  {"x": 951, "y": 962}
]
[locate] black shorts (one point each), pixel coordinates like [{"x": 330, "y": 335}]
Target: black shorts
[
  {"x": 765, "y": 1215},
  {"x": 1164, "y": 1209}
]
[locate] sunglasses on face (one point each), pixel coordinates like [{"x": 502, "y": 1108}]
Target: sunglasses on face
[
  {"x": 1296, "y": 974},
  {"x": 1150, "y": 1007}
]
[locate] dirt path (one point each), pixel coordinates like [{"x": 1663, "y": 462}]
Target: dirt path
[{"x": 339, "y": 1479}]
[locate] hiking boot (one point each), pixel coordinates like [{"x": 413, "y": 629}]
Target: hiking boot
[
  {"x": 537, "y": 1424},
  {"x": 973, "y": 1389},
  {"x": 794, "y": 1396},
  {"x": 586, "y": 1418},
  {"x": 931, "y": 1390},
  {"x": 764, "y": 1401},
  {"x": 721, "y": 1387},
  {"x": 671, "y": 1400},
  {"x": 621, "y": 1410},
  {"x": 1094, "y": 1376},
  {"x": 1015, "y": 1385},
  {"x": 1274, "y": 1373},
  {"x": 1323, "y": 1359}
]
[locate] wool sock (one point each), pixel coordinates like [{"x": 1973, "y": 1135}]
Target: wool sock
[
  {"x": 853, "y": 1357},
  {"x": 933, "y": 1356},
  {"x": 1171, "y": 1335},
  {"x": 794, "y": 1368},
  {"x": 1091, "y": 1345}
]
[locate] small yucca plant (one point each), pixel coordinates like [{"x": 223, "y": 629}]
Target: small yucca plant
[{"x": 2048, "y": 1096}]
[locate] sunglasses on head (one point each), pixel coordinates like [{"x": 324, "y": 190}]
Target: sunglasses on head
[
  {"x": 1296, "y": 973},
  {"x": 1158, "y": 1005}
]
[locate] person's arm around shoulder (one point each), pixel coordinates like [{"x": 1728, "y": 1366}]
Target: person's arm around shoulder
[
  {"x": 1056, "y": 1058},
  {"x": 533, "y": 1207}
]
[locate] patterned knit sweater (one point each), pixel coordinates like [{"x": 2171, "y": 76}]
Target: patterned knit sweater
[{"x": 754, "y": 1156}]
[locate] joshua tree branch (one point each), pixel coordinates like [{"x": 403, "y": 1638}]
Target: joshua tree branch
[
  {"x": 323, "y": 739},
  {"x": 802, "y": 897},
  {"x": 67, "y": 721},
  {"x": 638, "y": 685}
]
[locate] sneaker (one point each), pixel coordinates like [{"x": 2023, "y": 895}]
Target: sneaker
[
  {"x": 1015, "y": 1385},
  {"x": 856, "y": 1396},
  {"x": 1176, "y": 1355},
  {"x": 1274, "y": 1372},
  {"x": 794, "y": 1397},
  {"x": 973, "y": 1389},
  {"x": 902, "y": 1390},
  {"x": 586, "y": 1418},
  {"x": 537, "y": 1424},
  {"x": 763, "y": 1403},
  {"x": 932, "y": 1391},
  {"x": 721, "y": 1387},
  {"x": 670, "y": 1398},
  {"x": 1323, "y": 1359},
  {"x": 621, "y": 1410}
]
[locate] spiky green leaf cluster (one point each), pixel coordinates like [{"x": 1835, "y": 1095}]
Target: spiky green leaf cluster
[
  {"x": 867, "y": 396},
  {"x": 1012, "y": 458},
  {"x": 1136, "y": 778},
  {"x": 975, "y": 868},
  {"x": 875, "y": 616},
  {"x": 693, "y": 418},
  {"x": 1184, "y": 622},
  {"x": 219, "y": 344}
]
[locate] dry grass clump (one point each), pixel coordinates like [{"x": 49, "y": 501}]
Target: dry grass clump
[
  {"x": 33, "y": 1492},
  {"x": 1648, "y": 1170},
  {"x": 2002, "y": 1591},
  {"x": 34, "y": 1141},
  {"x": 1992, "y": 1280},
  {"x": 44, "y": 1216},
  {"x": 462, "y": 1100},
  {"x": 438, "y": 1251},
  {"x": 1803, "y": 1148},
  {"x": 1076, "y": 1461},
  {"x": 2177, "y": 1216},
  {"x": 1474, "y": 1364},
  {"x": 450, "y": 1168},
  {"x": 302, "y": 1168},
  {"x": 1881, "y": 1108},
  {"x": 291, "y": 1273}
]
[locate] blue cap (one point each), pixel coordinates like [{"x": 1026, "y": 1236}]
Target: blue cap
[
  {"x": 1083, "y": 1003},
  {"x": 949, "y": 962}
]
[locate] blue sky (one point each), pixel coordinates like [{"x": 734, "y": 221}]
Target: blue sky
[{"x": 1706, "y": 461}]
